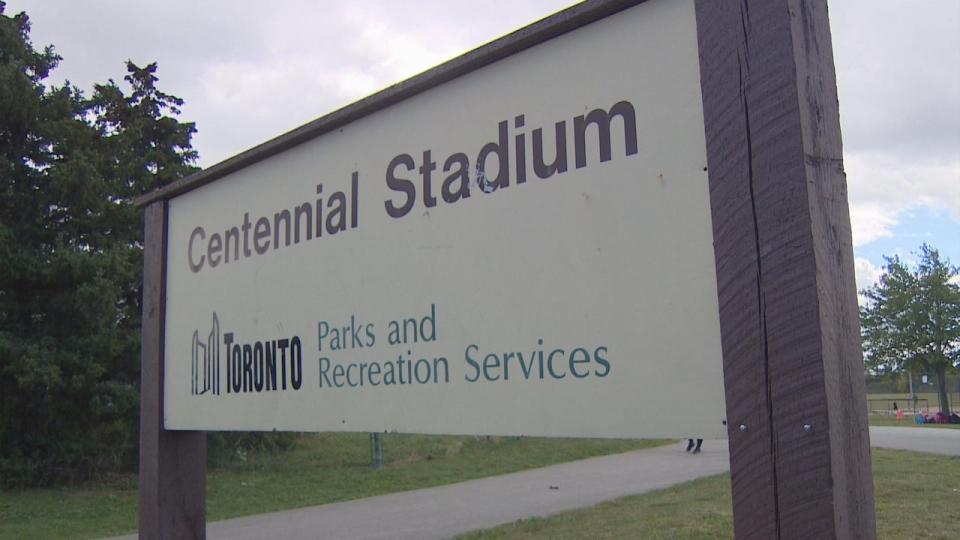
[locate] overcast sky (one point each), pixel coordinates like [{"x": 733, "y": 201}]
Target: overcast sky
[{"x": 252, "y": 70}]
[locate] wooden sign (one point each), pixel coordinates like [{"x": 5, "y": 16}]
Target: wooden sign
[
  {"x": 523, "y": 250},
  {"x": 628, "y": 219}
]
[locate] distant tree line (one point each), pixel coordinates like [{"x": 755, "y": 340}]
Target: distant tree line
[
  {"x": 71, "y": 256},
  {"x": 900, "y": 383}
]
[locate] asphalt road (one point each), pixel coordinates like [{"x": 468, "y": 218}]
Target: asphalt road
[
  {"x": 920, "y": 439},
  {"x": 445, "y": 511}
]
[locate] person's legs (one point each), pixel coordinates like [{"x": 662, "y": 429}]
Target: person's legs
[
  {"x": 697, "y": 449},
  {"x": 689, "y": 445}
]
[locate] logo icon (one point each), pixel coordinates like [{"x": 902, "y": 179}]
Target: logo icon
[{"x": 205, "y": 373}]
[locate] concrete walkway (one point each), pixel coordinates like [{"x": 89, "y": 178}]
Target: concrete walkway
[
  {"x": 446, "y": 511},
  {"x": 920, "y": 439}
]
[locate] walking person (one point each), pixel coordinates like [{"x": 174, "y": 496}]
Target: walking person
[{"x": 690, "y": 445}]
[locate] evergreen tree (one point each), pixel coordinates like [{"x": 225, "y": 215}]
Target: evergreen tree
[
  {"x": 911, "y": 319},
  {"x": 70, "y": 258}
]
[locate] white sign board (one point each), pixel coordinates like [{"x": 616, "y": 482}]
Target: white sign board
[{"x": 525, "y": 249}]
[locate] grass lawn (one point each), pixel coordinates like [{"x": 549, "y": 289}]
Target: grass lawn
[
  {"x": 323, "y": 468},
  {"x": 917, "y": 496}
]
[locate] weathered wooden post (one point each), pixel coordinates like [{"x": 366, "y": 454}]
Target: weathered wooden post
[
  {"x": 793, "y": 368},
  {"x": 173, "y": 464}
]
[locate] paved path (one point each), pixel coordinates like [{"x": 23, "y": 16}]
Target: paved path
[
  {"x": 445, "y": 511},
  {"x": 920, "y": 439}
]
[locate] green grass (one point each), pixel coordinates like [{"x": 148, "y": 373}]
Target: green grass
[
  {"x": 694, "y": 510},
  {"x": 322, "y": 468},
  {"x": 917, "y": 496},
  {"x": 71, "y": 512}
]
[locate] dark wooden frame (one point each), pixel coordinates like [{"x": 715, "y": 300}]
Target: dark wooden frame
[
  {"x": 173, "y": 464},
  {"x": 793, "y": 370}
]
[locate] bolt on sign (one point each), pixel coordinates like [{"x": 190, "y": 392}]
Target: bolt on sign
[{"x": 523, "y": 250}]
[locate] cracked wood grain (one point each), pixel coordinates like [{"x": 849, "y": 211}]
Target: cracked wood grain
[
  {"x": 789, "y": 330},
  {"x": 173, "y": 464}
]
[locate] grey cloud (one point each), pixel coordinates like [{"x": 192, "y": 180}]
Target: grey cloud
[
  {"x": 252, "y": 70},
  {"x": 249, "y": 71},
  {"x": 898, "y": 70}
]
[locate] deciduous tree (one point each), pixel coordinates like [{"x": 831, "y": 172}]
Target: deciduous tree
[{"x": 911, "y": 319}]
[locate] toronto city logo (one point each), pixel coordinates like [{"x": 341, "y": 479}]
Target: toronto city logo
[
  {"x": 205, "y": 357},
  {"x": 258, "y": 366}
]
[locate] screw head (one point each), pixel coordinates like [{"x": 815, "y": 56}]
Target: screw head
[
  {"x": 743, "y": 427},
  {"x": 807, "y": 428}
]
